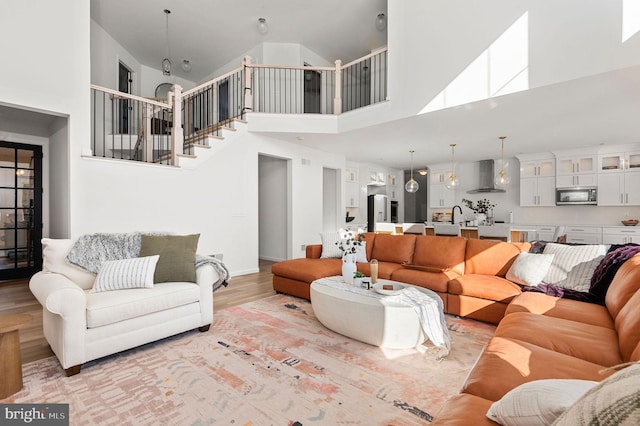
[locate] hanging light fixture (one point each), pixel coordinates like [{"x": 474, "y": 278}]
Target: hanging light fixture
[
  {"x": 263, "y": 28},
  {"x": 186, "y": 65},
  {"x": 452, "y": 182},
  {"x": 411, "y": 185},
  {"x": 166, "y": 63},
  {"x": 423, "y": 172},
  {"x": 502, "y": 178}
]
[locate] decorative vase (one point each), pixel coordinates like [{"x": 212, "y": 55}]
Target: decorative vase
[
  {"x": 348, "y": 267},
  {"x": 481, "y": 218}
]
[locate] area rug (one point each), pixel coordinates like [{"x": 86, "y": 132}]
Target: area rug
[{"x": 268, "y": 362}]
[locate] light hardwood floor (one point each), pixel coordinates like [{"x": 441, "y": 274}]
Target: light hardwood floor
[{"x": 15, "y": 298}]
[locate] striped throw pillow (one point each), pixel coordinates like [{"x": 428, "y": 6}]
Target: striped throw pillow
[
  {"x": 126, "y": 273},
  {"x": 330, "y": 245},
  {"x": 573, "y": 266}
]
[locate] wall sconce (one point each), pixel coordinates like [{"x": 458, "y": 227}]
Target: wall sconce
[
  {"x": 381, "y": 22},
  {"x": 263, "y": 28}
]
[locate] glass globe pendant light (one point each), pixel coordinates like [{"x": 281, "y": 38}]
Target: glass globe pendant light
[
  {"x": 411, "y": 185},
  {"x": 502, "y": 178},
  {"x": 452, "y": 181},
  {"x": 166, "y": 63}
]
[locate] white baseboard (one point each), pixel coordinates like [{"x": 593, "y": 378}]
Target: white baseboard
[{"x": 271, "y": 259}]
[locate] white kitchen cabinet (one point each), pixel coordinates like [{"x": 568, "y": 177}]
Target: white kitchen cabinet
[
  {"x": 351, "y": 175},
  {"x": 581, "y": 164},
  {"x": 536, "y": 168},
  {"x": 619, "y": 189},
  {"x": 538, "y": 191},
  {"x": 439, "y": 194},
  {"x": 618, "y": 162},
  {"x": 537, "y": 180},
  {"x": 584, "y": 234},
  {"x": 352, "y": 194},
  {"x": 545, "y": 233},
  {"x": 620, "y": 235},
  {"x": 576, "y": 170}
]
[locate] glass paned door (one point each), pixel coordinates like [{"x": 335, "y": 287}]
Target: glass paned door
[{"x": 20, "y": 210}]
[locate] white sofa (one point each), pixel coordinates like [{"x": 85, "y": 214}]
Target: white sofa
[{"x": 82, "y": 326}]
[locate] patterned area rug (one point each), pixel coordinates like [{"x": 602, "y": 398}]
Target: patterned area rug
[{"x": 265, "y": 362}]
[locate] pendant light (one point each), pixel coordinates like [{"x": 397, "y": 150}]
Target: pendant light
[
  {"x": 411, "y": 185},
  {"x": 166, "y": 63},
  {"x": 502, "y": 178},
  {"x": 452, "y": 181}
]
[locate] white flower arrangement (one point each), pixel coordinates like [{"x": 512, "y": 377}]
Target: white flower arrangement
[{"x": 350, "y": 241}]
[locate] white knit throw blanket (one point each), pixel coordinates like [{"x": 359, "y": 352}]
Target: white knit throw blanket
[
  {"x": 426, "y": 303},
  {"x": 90, "y": 251}
]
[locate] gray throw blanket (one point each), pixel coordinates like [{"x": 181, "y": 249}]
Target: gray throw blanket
[{"x": 91, "y": 250}]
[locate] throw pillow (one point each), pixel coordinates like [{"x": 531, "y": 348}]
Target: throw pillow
[
  {"x": 330, "y": 247},
  {"x": 361, "y": 252},
  {"x": 126, "y": 273},
  {"x": 539, "y": 402},
  {"x": 54, "y": 259},
  {"x": 529, "y": 268},
  {"x": 573, "y": 266},
  {"x": 613, "y": 401},
  {"x": 177, "y": 261}
]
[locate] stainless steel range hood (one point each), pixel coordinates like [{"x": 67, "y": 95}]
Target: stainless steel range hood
[{"x": 486, "y": 179}]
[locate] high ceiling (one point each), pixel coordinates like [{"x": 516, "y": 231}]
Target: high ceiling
[
  {"x": 211, "y": 33},
  {"x": 596, "y": 110}
]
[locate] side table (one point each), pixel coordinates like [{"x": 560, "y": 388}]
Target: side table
[{"x": 11, "y": 362}]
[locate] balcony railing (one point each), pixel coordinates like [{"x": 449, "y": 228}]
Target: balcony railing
[{"x": 129, "y": 127}]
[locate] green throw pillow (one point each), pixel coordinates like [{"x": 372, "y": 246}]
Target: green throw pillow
[{"x": 177, "y": 256}]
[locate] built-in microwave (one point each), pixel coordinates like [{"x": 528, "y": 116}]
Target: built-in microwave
[{"x": 577, "y": 195}]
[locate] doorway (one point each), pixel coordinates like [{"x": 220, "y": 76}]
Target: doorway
[
  {"x": 273, "y": 208},
  {"x": 223, "y": 100},
  {"x": 20, "y": 210},
  {"x": 312, "y": 89},
  {"x": 330, "y": 197},
  {"x": 124, "y": 85}
]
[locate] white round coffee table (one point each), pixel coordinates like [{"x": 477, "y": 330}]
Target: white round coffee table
[{"x": 365, "y": 318}]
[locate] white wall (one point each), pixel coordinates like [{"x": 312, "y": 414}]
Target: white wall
[
  {"x": 219, "y": 199},
  {"x": 431, "y": 43},
  {"x": 47, "y": 42}
]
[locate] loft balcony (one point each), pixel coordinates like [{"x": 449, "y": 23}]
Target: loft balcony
[{"x": 129, "y": 127}]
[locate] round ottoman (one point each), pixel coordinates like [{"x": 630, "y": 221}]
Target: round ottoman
[{"x": 365, "y": 318}]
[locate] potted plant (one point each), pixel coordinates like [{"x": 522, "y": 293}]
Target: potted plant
[
  {"x": 357, "y": 278},
  {"x": 481, "y": 208},
  {"x": 348, "y": 245}
]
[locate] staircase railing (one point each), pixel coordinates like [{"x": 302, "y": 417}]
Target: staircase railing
[
  {"x": 211, "y": 106},
  {"x": 130, "y": 127}
]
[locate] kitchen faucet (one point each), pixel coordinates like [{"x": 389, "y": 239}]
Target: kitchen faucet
[{"x": 453, "y": 213}]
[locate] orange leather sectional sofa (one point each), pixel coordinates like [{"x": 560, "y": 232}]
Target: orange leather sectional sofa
[
  {"x": 544, "y": 337},
  {"x": 538, "y": 336},
  {"x": 468, "y": 274}
]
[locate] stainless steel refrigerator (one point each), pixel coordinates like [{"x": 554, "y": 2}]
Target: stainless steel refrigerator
[{"x": 376, "y": 210}]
